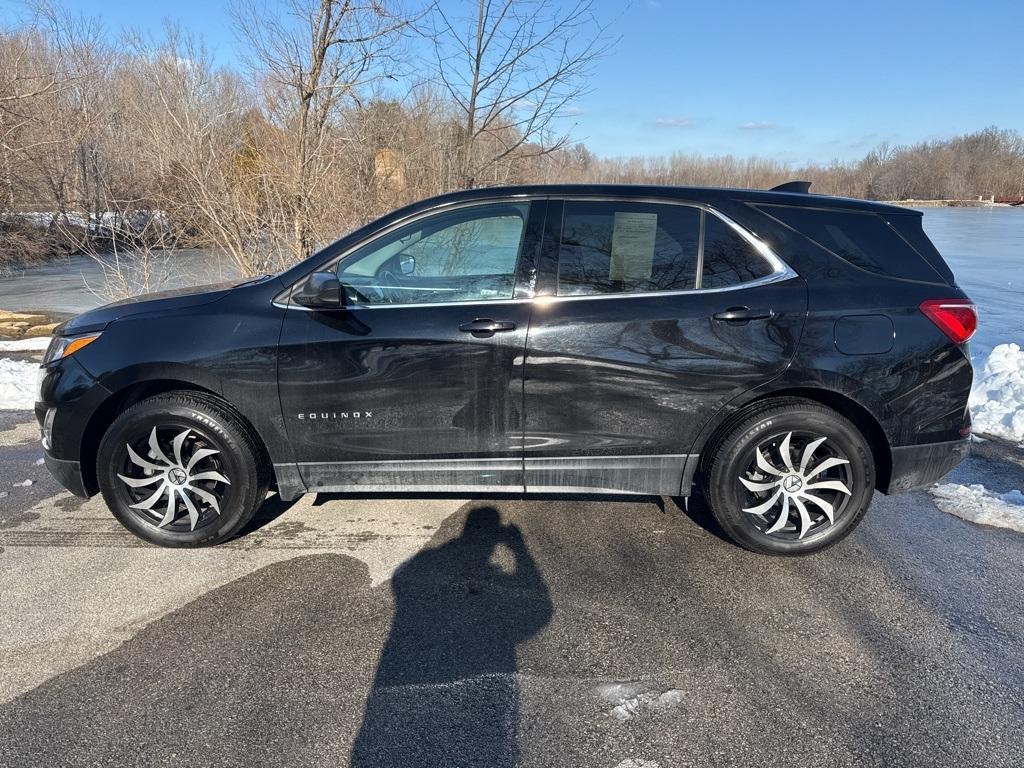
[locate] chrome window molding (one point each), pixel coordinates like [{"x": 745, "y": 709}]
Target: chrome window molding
[
  {"x": 781, "y": 270},
  {"x": 766, "y": 280}
]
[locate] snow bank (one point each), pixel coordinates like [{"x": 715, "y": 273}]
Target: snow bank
[
  {"x": 628, "y": 700},
  {"x": 979, "y": 505},
  {"x": 34, "y": 344},
  {"x": 17, "y": 384},
  {"x": 997, "y": 402}
]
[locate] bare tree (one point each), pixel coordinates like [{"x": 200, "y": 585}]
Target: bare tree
[
  {"x": 310, "y": 63},
  {"x": 512, "y": 68},
  {"x": 135, "y": 256}
]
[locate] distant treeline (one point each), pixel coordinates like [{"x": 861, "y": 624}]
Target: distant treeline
[
  {"x": 987, "y": 163},
  {"x": 129, "y": 142}
]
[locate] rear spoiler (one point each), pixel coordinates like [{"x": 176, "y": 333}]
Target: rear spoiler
[{"x": 799, "y": 187}]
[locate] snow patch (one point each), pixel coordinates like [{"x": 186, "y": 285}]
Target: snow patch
[
  {"x": 22, "y": 484},
  {"x": 979, "y": 505},
  {"x": 997, "y": 400},
  {"x": 17, "y": 384},
  {"x": 630, "y": 699},
  {"x": 34, "y": 344}
]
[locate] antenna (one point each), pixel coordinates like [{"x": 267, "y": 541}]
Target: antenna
[{"x": 799, "y": 187}]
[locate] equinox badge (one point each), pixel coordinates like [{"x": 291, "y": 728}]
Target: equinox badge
[{"x": 326, "y": 415}]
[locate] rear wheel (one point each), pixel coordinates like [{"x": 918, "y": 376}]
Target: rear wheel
[
  {"x": 181, "y": 470},
  {"x": 790, "y": 479}
]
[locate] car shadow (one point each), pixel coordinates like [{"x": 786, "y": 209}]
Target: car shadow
[
  {"x": 271, "y": 509},
  {"x": 695, "y": 507},
  {"x": 461, "y": 608}
]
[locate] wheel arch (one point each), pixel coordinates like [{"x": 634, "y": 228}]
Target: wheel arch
[
  {"x": 128, "y": 396},
  {"x": 843, "y": 404}
]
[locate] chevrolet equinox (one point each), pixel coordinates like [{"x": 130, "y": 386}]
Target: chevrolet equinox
[{"x": 784, "y": 353}]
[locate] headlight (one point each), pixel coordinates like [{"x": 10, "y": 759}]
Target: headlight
[
  {"x": 48, "y": 428},
  {"x": 41, "y": 374},
  {"x": 62, "y": 346}
]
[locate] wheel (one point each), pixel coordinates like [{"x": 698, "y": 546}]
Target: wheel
[
  {"x": 791, "y": 478},
  {"x": 181, "y": 470}
]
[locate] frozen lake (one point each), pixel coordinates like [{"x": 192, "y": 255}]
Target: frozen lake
[
  {"x": 984, "y": 246},
  {"x": 985, "y": 249},
  {"x": 70, "y": 285}
]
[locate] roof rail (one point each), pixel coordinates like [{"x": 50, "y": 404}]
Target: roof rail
[{"x": 799, "y": 187}]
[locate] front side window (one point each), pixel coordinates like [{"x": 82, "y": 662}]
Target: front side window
[{"x": 469, "y": 254}]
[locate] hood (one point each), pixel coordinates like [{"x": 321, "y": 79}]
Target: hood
[{"x": 159, "y": 301}]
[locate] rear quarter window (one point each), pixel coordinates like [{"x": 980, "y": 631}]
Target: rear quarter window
[
  {"x": 863, "y": 239},
  {"x": 728, "y": 258}
]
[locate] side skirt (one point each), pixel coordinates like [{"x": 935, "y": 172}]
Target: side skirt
[
  {"x": 654, "y": 475},
  {"x": 660, "y": 475}
]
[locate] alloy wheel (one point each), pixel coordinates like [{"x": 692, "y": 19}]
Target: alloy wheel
[{"x": 795, "y": 484}]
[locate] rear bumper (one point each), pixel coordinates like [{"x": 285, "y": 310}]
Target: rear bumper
[
  {"x": 68, "y": 474},
  {"x": 915, "y": 466}
]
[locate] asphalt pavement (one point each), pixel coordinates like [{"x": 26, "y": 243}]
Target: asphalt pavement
[{"x": 499, "y": 631}]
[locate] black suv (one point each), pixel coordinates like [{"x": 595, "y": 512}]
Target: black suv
[{"x": 785, "y": 352}]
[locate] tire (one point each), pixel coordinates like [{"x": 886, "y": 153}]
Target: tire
[
  {"x": 202, "y": 484},
  {"x": 739, "y": 487}
]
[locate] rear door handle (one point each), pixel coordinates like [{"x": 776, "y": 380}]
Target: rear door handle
[
  {"x": 486, "y": 325},
  {"x": 743, "y": 315}
]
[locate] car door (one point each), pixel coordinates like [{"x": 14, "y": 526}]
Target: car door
[
  {"x": 416, "y": 383},
  {"x": 656, "y": 315}
]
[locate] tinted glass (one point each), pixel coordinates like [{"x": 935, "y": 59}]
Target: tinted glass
[
  {"x": 612, "y": 247},
  {"x": 728, "y": 258},
  {"x": 464, "y": 255},
  {"x": 862, "y": 239},
  {"x": 909, "y": 227}
]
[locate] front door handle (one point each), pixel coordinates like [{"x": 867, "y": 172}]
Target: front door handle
[
  {"x": 486, "y": 325},
  {"x": 743, "y": 315}
]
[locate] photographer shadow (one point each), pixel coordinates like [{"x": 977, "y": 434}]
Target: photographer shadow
[{"x": 445, "y": 690}]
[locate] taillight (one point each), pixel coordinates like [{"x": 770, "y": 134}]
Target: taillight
[{"x": 957, "y": 318}]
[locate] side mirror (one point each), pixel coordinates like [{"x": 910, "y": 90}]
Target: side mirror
[
  {"x": 322, "y": 290},
  {"x": 406, "y": 264}
]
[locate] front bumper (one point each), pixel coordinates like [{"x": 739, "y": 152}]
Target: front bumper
[
  {"x": 68, "y": 474},
  {"x": 71, "y": 396},
  {"x": 917, "y": 466}
]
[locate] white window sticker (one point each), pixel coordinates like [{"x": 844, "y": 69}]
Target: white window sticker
[{"x": 633, "y": 246}]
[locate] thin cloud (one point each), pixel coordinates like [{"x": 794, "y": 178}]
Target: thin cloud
[
  {"x": 573, "y": 111},
  {"x": 756, "y": 125},
  {"x": 673, "y": 122}
]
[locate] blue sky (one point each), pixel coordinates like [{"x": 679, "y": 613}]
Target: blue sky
[{"x": 793, "y": 80}]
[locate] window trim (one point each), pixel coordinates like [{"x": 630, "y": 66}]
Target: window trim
[{"x": 781, "y": 270}]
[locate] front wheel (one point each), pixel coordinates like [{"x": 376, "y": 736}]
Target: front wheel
[
  {"x": 181, "y": 470},
  {"x": 791, "y": 478}
]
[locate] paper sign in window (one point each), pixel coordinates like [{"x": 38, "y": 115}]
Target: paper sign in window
[{"x": 633, "y": 246}]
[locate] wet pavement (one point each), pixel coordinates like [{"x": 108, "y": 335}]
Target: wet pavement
[{"x": 497, "y": 631}]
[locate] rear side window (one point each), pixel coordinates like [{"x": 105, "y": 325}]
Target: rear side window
[
  {"x": 863, "y": 239},
  {"x": 610, "y": 247}
]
